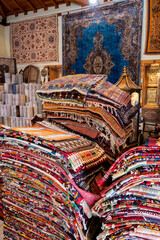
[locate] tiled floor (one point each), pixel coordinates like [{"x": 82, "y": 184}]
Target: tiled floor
[{"x": 1, "y": 230}]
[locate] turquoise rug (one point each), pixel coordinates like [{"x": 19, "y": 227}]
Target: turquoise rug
[{"x": 102, "y": 40}]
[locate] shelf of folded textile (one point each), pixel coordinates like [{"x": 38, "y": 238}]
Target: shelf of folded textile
[{"x": 150, "y": 76}]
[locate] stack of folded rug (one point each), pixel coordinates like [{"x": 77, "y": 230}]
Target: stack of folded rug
[
  {"x": 54, "y": 172},
  {"x": 90, "y": 105},
  {"x": 1, "y": 206},
  {"x": 49, "y": 182},
  {"x": 130, "y": 205}
]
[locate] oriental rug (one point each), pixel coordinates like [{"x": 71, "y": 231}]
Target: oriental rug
[
  {"x": 102, "y": 40},
  {"x": 153, "y": 27},
  {"x": 35, "y": 40}
]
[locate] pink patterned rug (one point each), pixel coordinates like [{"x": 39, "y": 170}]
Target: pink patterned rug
[{"x": 35, "y": 40}]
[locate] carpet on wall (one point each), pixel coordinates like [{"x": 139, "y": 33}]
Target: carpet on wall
[
  {"x": 153, "y": 27},
  {"x": 102, "y": 40},
  {"x": 35, "y": 40}
]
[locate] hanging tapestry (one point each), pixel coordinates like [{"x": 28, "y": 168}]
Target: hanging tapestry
[
  {"x": 35, "y": 40},
  {"x": 102, "y": 40},
  {"x": 153, "y": 27}
]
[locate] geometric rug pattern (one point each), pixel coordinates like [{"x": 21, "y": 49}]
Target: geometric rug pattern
[{"x": 35, "y": 40}]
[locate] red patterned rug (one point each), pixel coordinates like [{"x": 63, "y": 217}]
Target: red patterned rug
[
  {"x": 35, "y": 40},
  {"x": 152, "y": 142}
]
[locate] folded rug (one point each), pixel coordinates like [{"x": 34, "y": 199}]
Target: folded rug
[
  {"x": 90, "y": 100},
  {"x": 130, "y": 205}
]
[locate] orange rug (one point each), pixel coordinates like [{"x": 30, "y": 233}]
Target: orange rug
[{"x": 153, "y": 27}]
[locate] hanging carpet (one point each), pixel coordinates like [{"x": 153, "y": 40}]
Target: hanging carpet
[{"x": 104, "y": 39}]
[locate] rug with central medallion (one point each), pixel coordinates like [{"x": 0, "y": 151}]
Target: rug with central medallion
[{"x": 102, "y": 40}]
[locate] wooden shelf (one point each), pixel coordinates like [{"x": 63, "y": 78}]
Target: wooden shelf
[
  {"x": 152, "y": 85},
  {"x": 151, "y": 106},
  {"x": 150, "y": 95},
  {"x": 54, "y": 71}
]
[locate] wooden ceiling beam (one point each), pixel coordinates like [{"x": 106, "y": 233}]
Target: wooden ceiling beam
[
  {"x": 31, "y": 5},
  {"x": 7, "y": 6},
  {"x": 80, "y": 2},
  {"x": 55, "y": 3},
  {"x": 4, "y": 23},
  {"x": 43, "y": 4},
  {"x": 17, "y": 4},
  {"x": 67, "y": 3},
  {"x": 2, "y": 12}
]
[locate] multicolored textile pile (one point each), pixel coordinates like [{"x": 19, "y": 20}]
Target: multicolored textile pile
[
  {"x": 49, "y": 182},
  {"x": 1, "y": 206},
  {"x": 130, "y": 205},
  {"x": 54, "y": 181},
  {"x": 90, "y": 105},
  {"x": 51, "y": 175}
]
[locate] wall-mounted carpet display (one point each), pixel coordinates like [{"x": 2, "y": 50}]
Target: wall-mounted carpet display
[
  {"x": 35, "y": 40},
  {"x": 153, "y": 27},
  {"x": 103, "y": 39}
]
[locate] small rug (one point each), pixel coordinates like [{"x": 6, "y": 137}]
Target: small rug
[
  {"x": 152, "y": 142},
  {"x": 153, "y": 27},
  {"x": 35, "y": 40}
]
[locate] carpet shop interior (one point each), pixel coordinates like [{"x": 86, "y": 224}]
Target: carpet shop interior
[{"x": 80, "y": 120}]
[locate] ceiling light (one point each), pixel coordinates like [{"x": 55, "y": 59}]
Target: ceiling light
[{"x": 93, "y": 2}]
